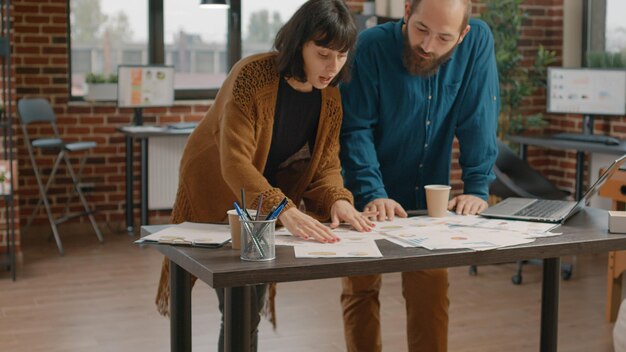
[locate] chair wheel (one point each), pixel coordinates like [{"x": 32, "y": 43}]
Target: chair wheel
[
  {"x": 566, "y": 274},
  {"x": 516, "y": 279},
  {"x": 473, "y": 270}
]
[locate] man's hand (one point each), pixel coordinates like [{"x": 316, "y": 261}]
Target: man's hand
[
  {"x": 342, "y": 210},
  {"x": 386, "y": 209},
  {"x": 467, "y": 204}
]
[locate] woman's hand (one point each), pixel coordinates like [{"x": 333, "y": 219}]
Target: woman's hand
[
  {"x": 303, "y": 226},
  {"x": 342, "y": 210}
]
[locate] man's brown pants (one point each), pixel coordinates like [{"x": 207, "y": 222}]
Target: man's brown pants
[{"x": 426, "y": 296}]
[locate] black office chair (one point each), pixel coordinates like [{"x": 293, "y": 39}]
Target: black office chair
[{"x": 516, "y": 178}]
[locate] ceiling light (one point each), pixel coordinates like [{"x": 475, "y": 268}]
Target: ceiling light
[{"x": 214, "y": 4}]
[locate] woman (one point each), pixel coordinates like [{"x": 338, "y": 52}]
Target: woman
[{"x": 273, "y": 131}]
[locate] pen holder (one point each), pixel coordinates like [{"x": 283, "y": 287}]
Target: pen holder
[{"x": 257, "y": 240}]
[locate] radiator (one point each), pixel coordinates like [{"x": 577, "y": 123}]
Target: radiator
[{"x": 164, "y": 155}]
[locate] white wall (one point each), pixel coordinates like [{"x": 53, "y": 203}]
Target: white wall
[{"x": 572, "y": 32}]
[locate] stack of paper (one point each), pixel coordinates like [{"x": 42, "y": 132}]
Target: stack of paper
[
  {"x": 190, "y": 233},
  {"x": 352, "y": 244}
]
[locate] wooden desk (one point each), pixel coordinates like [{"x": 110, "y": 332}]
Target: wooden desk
[
  {"x": 615, "y": 188},
  {"x": 586, "y": 232}
]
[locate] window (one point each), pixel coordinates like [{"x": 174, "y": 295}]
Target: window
[
  {"x": 201, "y": 44},
  {"x": 133, "y": 56},
  {"x": 105, "y": 34},
  {"x": 205, "y": 61},
  {"x": 261, "y": 20},
  {"x": 605, "y": 33},
  {"x": 615, "y": 27},
  {"x": 194, "y": 41}
]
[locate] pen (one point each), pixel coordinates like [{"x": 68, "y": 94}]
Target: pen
[
  {"x": 258, "y": 208},
  {"x": 242, "y": 213},
  {"x": 274, "y": 213},
  {"x": 243, "y": 203}
]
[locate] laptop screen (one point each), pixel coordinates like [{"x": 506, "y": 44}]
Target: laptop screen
[{"x": 601, "y": 180}]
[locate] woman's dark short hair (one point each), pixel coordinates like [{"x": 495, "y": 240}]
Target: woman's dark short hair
[{"x": 328, "y": 23}]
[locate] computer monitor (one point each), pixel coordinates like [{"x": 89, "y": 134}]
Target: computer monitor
[
  {"x": 587, "y": 91},
  {"x": 145, "y": 86}
]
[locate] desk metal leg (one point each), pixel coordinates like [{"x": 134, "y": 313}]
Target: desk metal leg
[
  {"x": 580, "y": 171},
  {"x": 129, "y": 184},
  {"x": 237, "y": 318},
  {"x": 180, "y": 309},
  {"x": 523, "y": 151},
  {"x": 144, "y": 181},
  {"x": 550, "y": 304}
]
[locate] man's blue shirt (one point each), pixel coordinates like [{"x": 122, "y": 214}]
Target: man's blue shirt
[{"x": 398, "y": 129}]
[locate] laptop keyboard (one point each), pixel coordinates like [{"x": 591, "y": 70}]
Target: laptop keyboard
[{"x": 541, "y": 209}]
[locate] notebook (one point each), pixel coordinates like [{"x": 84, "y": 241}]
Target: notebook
[{"x": 557, "y": 211}]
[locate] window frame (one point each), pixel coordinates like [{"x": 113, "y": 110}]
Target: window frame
[{"x": 156, "y": 46}]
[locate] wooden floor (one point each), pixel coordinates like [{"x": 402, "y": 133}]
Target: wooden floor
[{"x": 99, "y": 297}]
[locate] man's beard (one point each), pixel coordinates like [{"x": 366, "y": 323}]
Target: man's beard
[{"x": 417, "y": 65}]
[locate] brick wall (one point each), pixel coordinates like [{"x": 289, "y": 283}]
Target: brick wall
[{"x": 41, "y": 69}]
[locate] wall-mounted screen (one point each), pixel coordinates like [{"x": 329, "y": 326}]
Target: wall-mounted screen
[
  {"x": 145, "y": 86},
  {"x": 586, "y": 91}
]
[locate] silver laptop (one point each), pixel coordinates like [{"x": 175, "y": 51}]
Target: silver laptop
[{"x": 543, "y": 210}]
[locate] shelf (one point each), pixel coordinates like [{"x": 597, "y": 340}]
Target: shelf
[{"x": 7, "y": 255}]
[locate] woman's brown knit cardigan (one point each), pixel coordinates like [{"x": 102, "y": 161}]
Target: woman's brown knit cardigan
[{"x": 229, "y": 148}]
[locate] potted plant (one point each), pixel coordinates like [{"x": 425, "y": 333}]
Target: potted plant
[
  {"x": 605, "y": 59},
  {"x": 516, "y": 81},
  {"x": 5, "y": 180},
  {"x": 101, "y": 87}
]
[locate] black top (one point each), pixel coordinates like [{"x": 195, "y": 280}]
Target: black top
[{"x": 295, "y": 123}]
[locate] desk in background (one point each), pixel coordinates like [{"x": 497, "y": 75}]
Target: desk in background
[
  {"x": 580, "y": 147},
  {"x": 615, "y": 188},
  {"x": 143, "y": 134},
  {"x": 586, "y": 232}
]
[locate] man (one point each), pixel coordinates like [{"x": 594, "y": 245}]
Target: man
[{"x": 416, "y": 84}]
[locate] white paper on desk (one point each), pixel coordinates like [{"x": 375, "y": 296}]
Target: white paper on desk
[
  {"x": 424, "y": 221},
  {"x": 457, "y": 238},
  {"x": 341, "y": 232},
  {"x": 137, "y": 129},
  {"x": 346, "y": 236},
  {"x": 545, "y": 234},
  {"x": 454, "y": 220},
  {"x": 189, "y": 233},
  {"x": 516, "y": 225},
  {"x": 342, "y": 249},
  {"x": 415, "y": 236}
]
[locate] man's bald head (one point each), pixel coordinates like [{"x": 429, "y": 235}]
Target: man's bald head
[{"x": 464, "y": 5}]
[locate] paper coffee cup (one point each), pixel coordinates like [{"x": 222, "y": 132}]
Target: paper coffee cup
[
  {"x": 235, "y": 227},
  {"x": 437, "y": 197}
]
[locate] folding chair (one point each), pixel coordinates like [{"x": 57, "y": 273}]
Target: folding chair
[{"x": 38, "y": 110}]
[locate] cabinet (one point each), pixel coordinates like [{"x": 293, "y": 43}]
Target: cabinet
[{"x": 7, "y": 164}]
